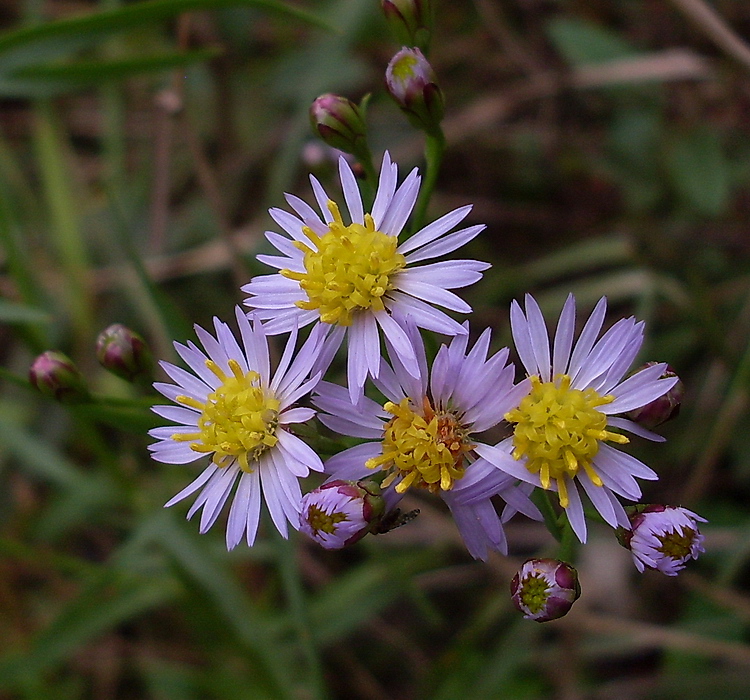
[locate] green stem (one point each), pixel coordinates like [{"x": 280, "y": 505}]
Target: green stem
[
  {"x": 292, "y": 582},
  {"x": 541, "y": 499},
  {"x": 568, "y": 543},
  {"x": 434, "y": 148}
]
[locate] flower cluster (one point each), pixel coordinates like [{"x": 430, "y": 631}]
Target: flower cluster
[{"x": 353, "y": 274}]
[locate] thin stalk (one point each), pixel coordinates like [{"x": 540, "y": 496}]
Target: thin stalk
[
  {"x": 434, "y": 148},
  {"x": 295, "y": 595},
  {"x": 568, "y": 543},
  {"x": 541, "y": 499}
]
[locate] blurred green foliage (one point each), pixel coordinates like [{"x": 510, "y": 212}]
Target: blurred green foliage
[{"x": 606, "y": 147}]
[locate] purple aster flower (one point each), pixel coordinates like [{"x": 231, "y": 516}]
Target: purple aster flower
[
  {"x": 563, "y": 425},
  {"x": 236, "y": 410},
  {"x": 663, "y": 538},
  {"x": 340, "y": 513},
  {"x": 424, "y": 437},
  {"x": 355, "y": 278},
  {"x": 545, "y": 589}
]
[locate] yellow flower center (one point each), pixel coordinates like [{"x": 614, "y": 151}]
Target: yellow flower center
[
  {"x": 534, "y": 592},
  {"x": 347, "y": 270},
  {"x": 676, "y": 545},
  {"x": 320, "y": 520},
  {"x": 238, "y": 420},
  {"x": 426, "y": 449},
  {"x": 558, "y": 431}
]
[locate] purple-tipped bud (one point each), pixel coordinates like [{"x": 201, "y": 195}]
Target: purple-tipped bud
[
  {"x": 340, "y": 513},
  {"x": 662, "y": 409},
  {"x": 54, "y": 374},
  {"x": 545, "y": 589},
  {"x": 410, "y": 21},
  {"x": 340, "y": 123},
  {"x": 662, "y": 537},
  {"x": 123, "y": 352},
  {"x": 412, "y": 83}
]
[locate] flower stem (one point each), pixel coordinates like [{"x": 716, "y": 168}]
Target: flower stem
[
  {"x": 542, "y": 501},
  {"x": 292, "y": 583},
  {"x": 434, "y": 148},
  {"x": 568, "y": 542}
]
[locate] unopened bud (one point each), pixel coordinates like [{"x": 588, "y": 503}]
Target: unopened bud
[
  {"x": 54, "y": 374},
  {"x": 340, "y": 513},
  {"x": 662, "y": 409},
  {"x": 340, "y": 123},
  {"x": 410, "y": 21},
  {"x": 545, "y": 589},
  {"x": 412, "y": 83},
  {"x": 662, "y": 537},
  {"x": 123, "y": 352}
]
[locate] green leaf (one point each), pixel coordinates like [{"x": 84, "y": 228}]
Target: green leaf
[
  {"x": 698, "y": 171},
  {"x": 11, "y": 312},
  {"x": 37, "y": 45},
  {"x": 47, "y": 80},
  {"x": 581, "y": 42}
]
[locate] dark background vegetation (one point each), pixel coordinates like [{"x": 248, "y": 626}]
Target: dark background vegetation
[{"x": 603, "y": 142}]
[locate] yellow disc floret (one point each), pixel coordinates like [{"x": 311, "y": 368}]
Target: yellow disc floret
[
  {"x": 319, "y": 520},
  {"x": 238, "y": 421},
  {"x": 347, "y": 270},
  {"x": 558, "y": 431},
  {"x": 427, "y": 449}
]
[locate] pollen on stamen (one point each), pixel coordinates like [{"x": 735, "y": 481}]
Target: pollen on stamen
[
  {"x": 558, "y": 432},
  {"x": 348, "y": 269},
  {"x": 427, "y": 450}
]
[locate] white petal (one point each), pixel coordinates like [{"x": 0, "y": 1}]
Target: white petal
[
  {"x": 290, "y": 223},
  {"x": 432, "y": 294},
  {"x": 296, "y": 415},
  {"x": 588, "y": 336},
  {"x": 574, "y": 511},
  {"x": 237, "y": 521},
  {"x": 435, "y": 229},
  {"x": 522, "y": 339},
  {"x": 351, "y": 192},
  {"x": 445, "y": 245},
  {"x": 538, "y": 336},
  {"x": 350, "y": 464},
  {"x": 401, "y": 205},
  {"x": 564, "y": 336},
  {"x": 630, "y": 426},
  {"x": 299, "y": 451},
  {"x": 356, "y": 361},
  {"x": 386, "y": 188},
  {"x": 273, "y": 493},
  {"x": 399, "y": 341},
  {"x": 322, "y": 199},
  {"x": 424, "y": 315}
]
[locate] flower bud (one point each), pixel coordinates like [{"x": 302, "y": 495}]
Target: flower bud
[
  {"x": 340, "y": 123},
  {"x": 412, "y": 83},
  {"x": 340, "y": 513},
  {"x": 662, "y": 409},
  {"x": 410, "y": 21},
  {"x": 545, "y": 589},
  {"x": 123, "y": 352},
  {"x": 662, "y": 537},
  {"x": 54, "y": 374}
]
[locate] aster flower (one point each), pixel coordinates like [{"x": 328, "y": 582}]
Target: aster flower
[
  {"x": 340, "y": 513},
  {"x": 545, "y": 589},
  {"x": 663, "y": 538},
  {"x": 424, "y": 438},
  {"x": 356, "y": 277},
  {"x": 236, "y": 410},
  {"x": 562, "y": 427}
]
